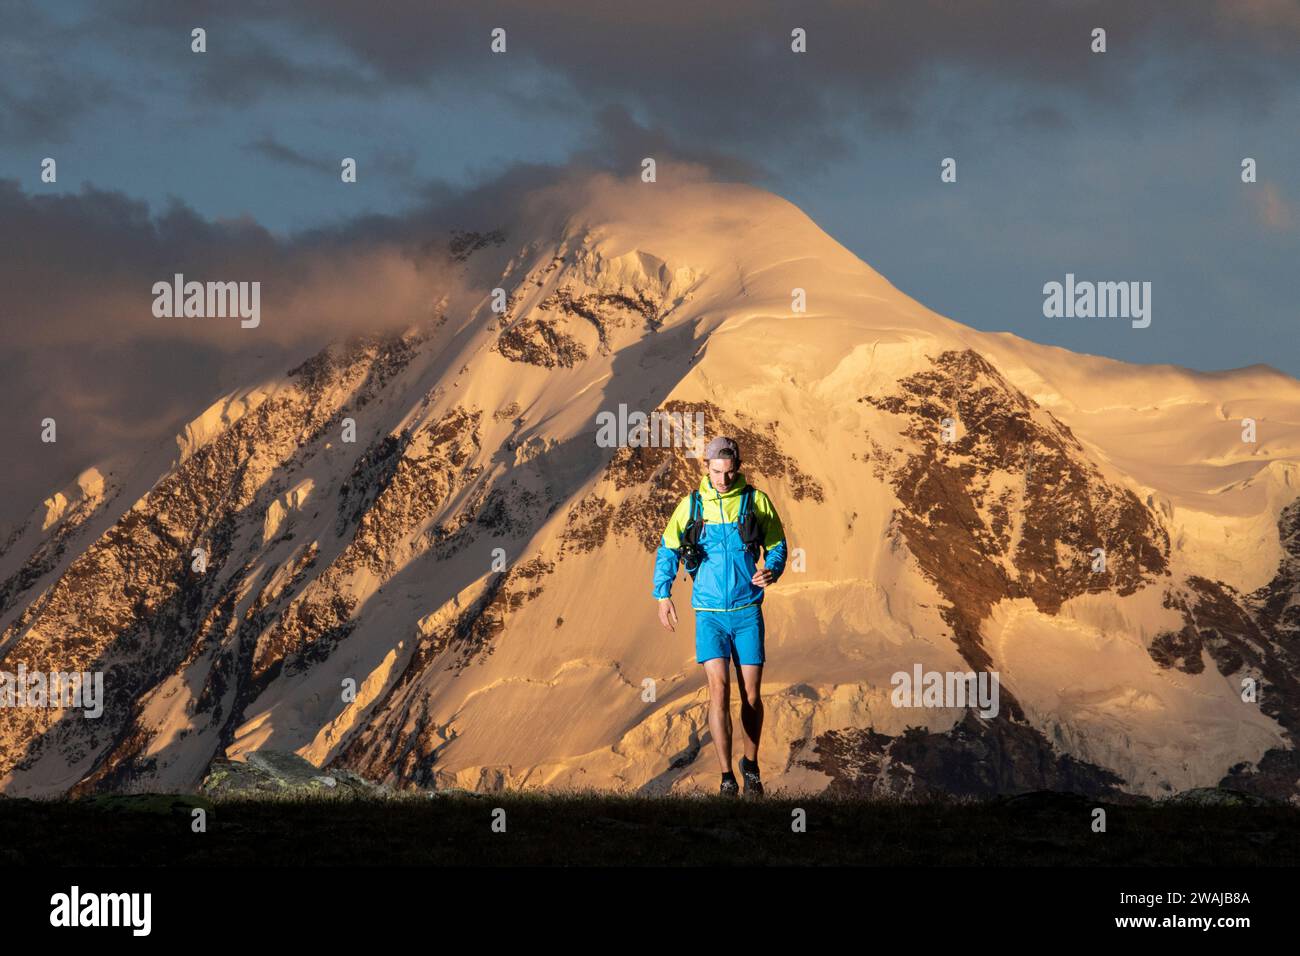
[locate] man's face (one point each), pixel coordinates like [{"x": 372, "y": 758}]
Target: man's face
[{"x": 723, "y": 471}]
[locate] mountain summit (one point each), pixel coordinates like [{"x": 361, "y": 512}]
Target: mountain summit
[{"x": 410, "y": 558}]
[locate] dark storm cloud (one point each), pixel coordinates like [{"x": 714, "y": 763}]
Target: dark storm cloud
[
  {"x": 397, "y": 163},
  {"x": 272, "y": 148},
  {"x": 725, "y": 69},
  {"x": 717, "y": 72}
]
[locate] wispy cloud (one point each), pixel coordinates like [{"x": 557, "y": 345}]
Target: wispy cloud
[{"x": 272, "y": 148}]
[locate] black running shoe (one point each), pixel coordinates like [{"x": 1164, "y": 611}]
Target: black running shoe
[
  {"x": 749, "y": 770},
  {"x": 729, "y": 787}
]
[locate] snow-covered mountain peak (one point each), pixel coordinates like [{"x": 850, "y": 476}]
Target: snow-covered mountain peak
[{"x": 430, "y": 519}]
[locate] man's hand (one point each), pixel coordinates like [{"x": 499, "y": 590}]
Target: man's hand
[
  {"x": 667, "y": 614},
  {"x": 762, "y": 577}
]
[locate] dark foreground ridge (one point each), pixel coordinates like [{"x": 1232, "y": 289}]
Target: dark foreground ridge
[{"x": 1207, "y": 828}]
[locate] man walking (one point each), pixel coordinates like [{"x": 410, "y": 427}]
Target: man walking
[{"x": 718, "y": 532}]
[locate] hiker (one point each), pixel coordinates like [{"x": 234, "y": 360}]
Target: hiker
[{"x": 718, "y": 532}]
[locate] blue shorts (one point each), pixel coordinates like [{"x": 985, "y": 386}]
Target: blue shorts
[{"x": 736, "y": 634}]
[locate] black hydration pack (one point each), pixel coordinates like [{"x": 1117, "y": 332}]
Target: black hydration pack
[{"x": 750, "y": 532}]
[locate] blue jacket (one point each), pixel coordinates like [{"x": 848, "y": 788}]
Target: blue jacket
[{"x": 722, "y": 581}]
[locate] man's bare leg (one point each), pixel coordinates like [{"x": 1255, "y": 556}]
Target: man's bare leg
[
  {"x": 719, "y": 676},
  {"x": 750, "y": 678}
]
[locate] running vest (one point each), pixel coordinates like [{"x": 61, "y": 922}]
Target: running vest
[{"x": 747, "y": 521}]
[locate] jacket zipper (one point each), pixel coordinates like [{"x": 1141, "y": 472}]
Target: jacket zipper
[{"x": 731, "y": 570}]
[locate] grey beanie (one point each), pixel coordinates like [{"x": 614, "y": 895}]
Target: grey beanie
[{"x": 722, "y": 447}]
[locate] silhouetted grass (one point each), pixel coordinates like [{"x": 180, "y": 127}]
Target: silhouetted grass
[{"x": 599, "y": 828}]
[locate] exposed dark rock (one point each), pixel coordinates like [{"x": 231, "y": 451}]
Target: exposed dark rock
[
  {"x": 540, "y": 342},
  {"x": 1253, "y": 636},
  {"x": 975, "y": 758},
  {"x": 48, "y": 553},
  {"x": 430, "y": 468},
  {"x": 507, "y": 413},
  {"x": 1275, "y": 775},
  {"x": 1223, "y": 797},
  {"x": 464, "y": 244},
  {"x": 1277, "y": 604},
  {"x": 1247, "y": 637},
  {"x": 1044, "y": 478},
  {"x": 369, "y": 477},
  {"x": 588, "y": 525},
  {"x": 278, "y": 772},
  {"x": 607, "y": 311}
]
